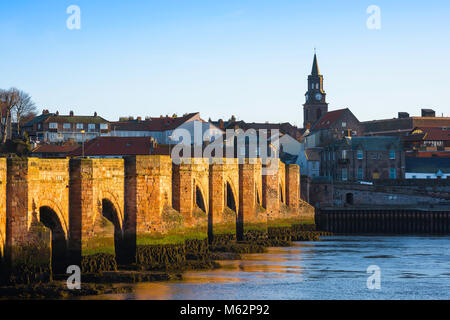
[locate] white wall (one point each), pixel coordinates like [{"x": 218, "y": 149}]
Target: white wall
[
  {"x": 290, "y": 145},
  {"x": 417, "y": 175}
]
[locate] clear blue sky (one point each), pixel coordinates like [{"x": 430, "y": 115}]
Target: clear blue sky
[{"x": 248, "y": 58}]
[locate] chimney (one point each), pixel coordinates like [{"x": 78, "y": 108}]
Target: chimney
[
  {"x": 139, "y": 118},
  {"x": 57, "y": 113},
  {"x": 403, "y": 115},
  {"x": 95, "y": 114},
  {"x": 71, "y": 113},
  {"x": 429, "y": 113}
]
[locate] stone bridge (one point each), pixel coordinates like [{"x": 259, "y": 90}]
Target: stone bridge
[{"x": 81, "y": 200}]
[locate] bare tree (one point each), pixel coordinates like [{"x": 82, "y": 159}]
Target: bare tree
[
  {"x": 23, "y": 107},
  {"x": 8, "y": 100}
]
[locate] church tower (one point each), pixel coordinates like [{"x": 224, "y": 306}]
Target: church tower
[{"x": 315, "y": 105}]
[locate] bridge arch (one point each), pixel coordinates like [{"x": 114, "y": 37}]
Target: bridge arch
[
  {"x": 111, "y": 213},
  {"x": 112, "y": 202},
  {"x": 58, "y": 212},
  {"x": 230, "y": 196},
  {"x": 282, "y": 198},
  {"x": 199, "y": 198},
  {"x": 50, "y": 218}
]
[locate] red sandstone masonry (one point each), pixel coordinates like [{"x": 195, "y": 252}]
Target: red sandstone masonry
[
  {"x": 139, "y": 187},
  {"x": 148, "y": 193},
  {"x": 293, "y": 186},
  {"x": 250, "y": 189},
  {"x": 31, "y": 184},
  {"x": 189, "y": 175},
  {"x": 271, "y": 193}
]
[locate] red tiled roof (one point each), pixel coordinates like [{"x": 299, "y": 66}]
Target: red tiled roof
[
  {"x": 428, "y": 154},
  {"x": 435, "y": 133},
  {"x": 115, "y": 146},
  {"x": 153, "y": 124},
  {"x": 52, "y": 148},
  {"x": 328, "y": 119}
]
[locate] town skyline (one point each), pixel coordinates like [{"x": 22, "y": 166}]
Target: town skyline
[{"x": 264, "y": 67}]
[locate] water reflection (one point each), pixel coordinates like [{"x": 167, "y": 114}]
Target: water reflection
[{"x": 412, "y": 268}]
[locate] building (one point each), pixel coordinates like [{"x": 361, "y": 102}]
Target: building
[
  {"x": 315, "y": 106},
  {"x": 363, "y": 158},
  {"x": 56, "y": 128},
  {"x": 427, "y": 168},
  {"x": 404, "y": 124},
  {"x": 162, "y": 128},
  {"x": 52, "y": 151},
  {"x": 332, "y": 126},
  {"x": 309, "y": 162},
  {"x": 119, "y": 147},
  {"x": 428, "y": 139}
]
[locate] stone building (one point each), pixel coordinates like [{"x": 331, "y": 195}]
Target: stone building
[
  {"x": 363, "y": 158},
  {"x": 404, "y": 124},
  {"x": 333, "y": 126}
]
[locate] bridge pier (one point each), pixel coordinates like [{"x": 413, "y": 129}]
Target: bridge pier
[{"x": 271, "y": 189}]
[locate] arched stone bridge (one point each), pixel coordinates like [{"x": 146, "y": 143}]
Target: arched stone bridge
[{"x": 74, "y": 197}]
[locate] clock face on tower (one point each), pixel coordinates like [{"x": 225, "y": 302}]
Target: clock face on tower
[{"x": 318, "y": 97}]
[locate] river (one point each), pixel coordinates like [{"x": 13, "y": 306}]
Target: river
[{"x": 411, "y": 267}]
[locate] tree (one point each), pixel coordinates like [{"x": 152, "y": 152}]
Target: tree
[
  {"x": 8, "y": 100},
  {"x": 23, "y": 108}
]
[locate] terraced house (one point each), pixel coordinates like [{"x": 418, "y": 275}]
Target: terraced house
[{"x": 55, "y": 128}]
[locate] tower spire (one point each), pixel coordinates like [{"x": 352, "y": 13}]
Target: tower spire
[{"x": 315, "y": 68}]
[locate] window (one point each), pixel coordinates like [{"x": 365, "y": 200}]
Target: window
[
  {"x": 80, "y": 126},
  {"x": 312, "y": 86},
  {"x": 374, "y": 156},
  {"x": 66, "y": 125},
  {"x": 104, "y": 126},
  {"x": 344, "y": 174},
  {"x": 344, "y": 124},
  {"x": 392, "y": 173},
  {"x": 344, "y": 154},
  {"x": 360, "y": 174},
  {"x": 317, "y": 86},
  {"x": 392, "y": 154},
  {"x": 91, "y": 126},
  {"x": 53, "y": 125},
  {"x": 360, "y": 154}
]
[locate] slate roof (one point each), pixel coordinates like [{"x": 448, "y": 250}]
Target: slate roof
[
  {"x": 53, "y": 148},
  {"x": 116, "y": 146},
  {"x": 374, "y": 143},
  {"x": 153, "y": 124},
  {"x": 427, "y": 165},
  {"x": 328, "y": 119}
]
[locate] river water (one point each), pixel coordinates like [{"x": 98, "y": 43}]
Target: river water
[{"x": 411, "y": 267}]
